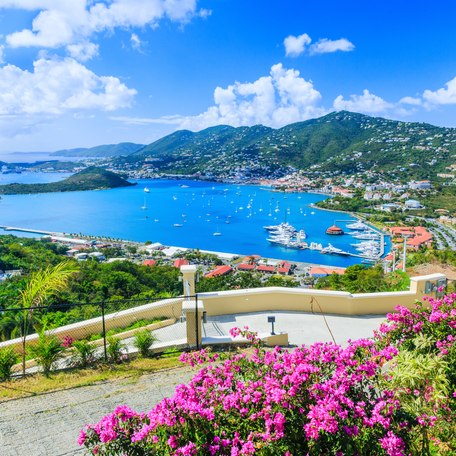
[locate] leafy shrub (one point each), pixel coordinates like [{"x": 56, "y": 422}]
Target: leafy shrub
[
  {"x": 47, "y": 352},
  {"x": 392, "y": 395},
  {"x": 84, "y": 353},
  {"x": 8, "y": 358},
  {"x": 115, "y": 350},
  {"x": 143, "y": 341}
]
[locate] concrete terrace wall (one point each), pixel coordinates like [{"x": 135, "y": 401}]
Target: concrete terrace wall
[
  {"x": 308, "y": 300},
  {"x": 254, "y": 300}
]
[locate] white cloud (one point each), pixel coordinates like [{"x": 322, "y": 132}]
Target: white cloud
[
  {"x": 83, "y": 51},
  {"x": 67, "y": 22},
  {"x": 2, "y": 59},
  {"x": 325, "y": 46},
  {"x": 275, "y": 100},
  {"x": 56, "y": 86},
  {"x": 136, "y": 42},
  {"x": 295, "y": 45},
  {"x": 411, "y": 101},
  {"x": 442, "y": 96},
  {"x": 366, "y": 103}
]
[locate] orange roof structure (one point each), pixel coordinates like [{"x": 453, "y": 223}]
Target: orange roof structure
[
  {"x": 246, "y": 267},
  {"x": 418, "y": 235},
  {"x": 149, "y": 262},
  {"x": 284, "y": 267},
  {"x": 219, "y": 271},
  {"x": 326, "y": 271},
  {"x": 265, "y": 268},
  {"x": 334, "y": 229},
  {"x": 180, "y": 262}
]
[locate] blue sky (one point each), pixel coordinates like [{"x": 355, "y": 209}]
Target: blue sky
[{"x": 78, "y": 73}]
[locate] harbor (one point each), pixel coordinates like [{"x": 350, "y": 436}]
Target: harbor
[{"x": 207, "y": 216}]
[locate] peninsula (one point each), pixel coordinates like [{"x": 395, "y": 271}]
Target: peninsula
[{"x": 91, "y": 178}]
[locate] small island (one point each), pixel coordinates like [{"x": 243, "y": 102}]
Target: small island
[{"x": 91, "y": 178}]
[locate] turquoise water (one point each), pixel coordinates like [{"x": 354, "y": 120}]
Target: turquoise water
[{"x": 202, "y": 208}]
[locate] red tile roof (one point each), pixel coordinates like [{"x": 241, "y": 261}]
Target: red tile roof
[
  {"x": 219, "y": 271},
  {"x": 265, "y": 268},
  {"x": 246, "y": 267},
  {"x": 180, "y": 262},
  {"x": 149, "y": 262},
  {"x": 326, "y": 271}
]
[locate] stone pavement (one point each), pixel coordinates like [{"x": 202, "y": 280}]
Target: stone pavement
[{"x": 49, "y": 424}]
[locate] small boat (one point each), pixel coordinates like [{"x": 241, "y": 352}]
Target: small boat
[
  {"x": 217, "y": 233},
  {"x": 146, "y": 189},
  {"x": 156, "y": 220},
  {"x": 178, "y": 225}
]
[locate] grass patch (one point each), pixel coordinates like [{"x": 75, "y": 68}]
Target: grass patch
[{"x": 74, "y": 378}]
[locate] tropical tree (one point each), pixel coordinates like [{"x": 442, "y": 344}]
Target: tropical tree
[{"x": 41, "y": 285}]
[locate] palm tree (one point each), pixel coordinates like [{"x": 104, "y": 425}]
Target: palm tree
[{"x": 41, "y": 285}]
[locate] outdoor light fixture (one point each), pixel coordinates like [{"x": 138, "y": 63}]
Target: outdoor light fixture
[
  {"x": 204, "y": 317},
  {"x": 271, "y": 320}
]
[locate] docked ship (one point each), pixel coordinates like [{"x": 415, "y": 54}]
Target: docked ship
[
  {"x": 358, "y": 226},
  {"x": 333, "y": 250},
  {"x": 286, "y": 235}
]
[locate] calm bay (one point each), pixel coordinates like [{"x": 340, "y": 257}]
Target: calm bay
[{"x": 181, "y": 213}]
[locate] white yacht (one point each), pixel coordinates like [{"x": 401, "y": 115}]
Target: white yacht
[
  {"x": 146, "y": 189},
  {"x": 333, "y": 250},
  {"x": 359, "y": 225}
]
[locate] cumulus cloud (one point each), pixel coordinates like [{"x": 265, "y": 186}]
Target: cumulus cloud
[
  {"x": 295, "y": 45},
  {"x": 83, "y": 51},
  {"x": 325, "y": 46},
  {"x": 442, "y": 96},
  {"x": 366, "y": 103},
  {"x": 280, "y": 98},
  {"x": 56, "y": 86},
  {"x": 70, "y": 22},
  {"x": 411, "y": 101}
]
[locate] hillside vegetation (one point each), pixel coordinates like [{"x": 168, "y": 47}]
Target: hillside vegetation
[
  {"x": 107, "y": 150},
  {"x": 91, "y": 178},
  {"x": 340, "y": 142}
]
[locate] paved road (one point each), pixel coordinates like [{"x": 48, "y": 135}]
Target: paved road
[{"x": 48, "y": 425}]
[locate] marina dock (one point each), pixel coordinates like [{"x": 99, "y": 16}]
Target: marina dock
[{"x": 30, "y": 230}]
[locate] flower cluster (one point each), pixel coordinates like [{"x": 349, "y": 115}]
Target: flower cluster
[{"x": 322, "y": 399}]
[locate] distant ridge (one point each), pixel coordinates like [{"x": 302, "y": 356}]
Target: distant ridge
[
  {"x": 108, "y": 150},
  {"x": 91, "y": 178},
  {"x": 340, "y": 142}
]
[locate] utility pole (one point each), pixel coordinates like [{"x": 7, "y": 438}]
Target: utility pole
[{"x": 406, "y": 236}]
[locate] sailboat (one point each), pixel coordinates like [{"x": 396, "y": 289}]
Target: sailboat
[{"x": 146, "y": 190}]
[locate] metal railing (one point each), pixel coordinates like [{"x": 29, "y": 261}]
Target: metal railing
[{"x": 96, "y": 323}]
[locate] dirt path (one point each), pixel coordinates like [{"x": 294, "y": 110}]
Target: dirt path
[{"x": 48, "y": 425}]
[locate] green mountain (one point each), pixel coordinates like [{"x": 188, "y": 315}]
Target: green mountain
[
  {"x": 91, "y": 178},
  {"x": 108, "y": 150},
  {"x": 340, "y": 142}
]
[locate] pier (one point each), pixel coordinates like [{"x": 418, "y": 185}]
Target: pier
[
  {"x": 373, "y": 228},
  {"x": 30, "y": 230}
]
